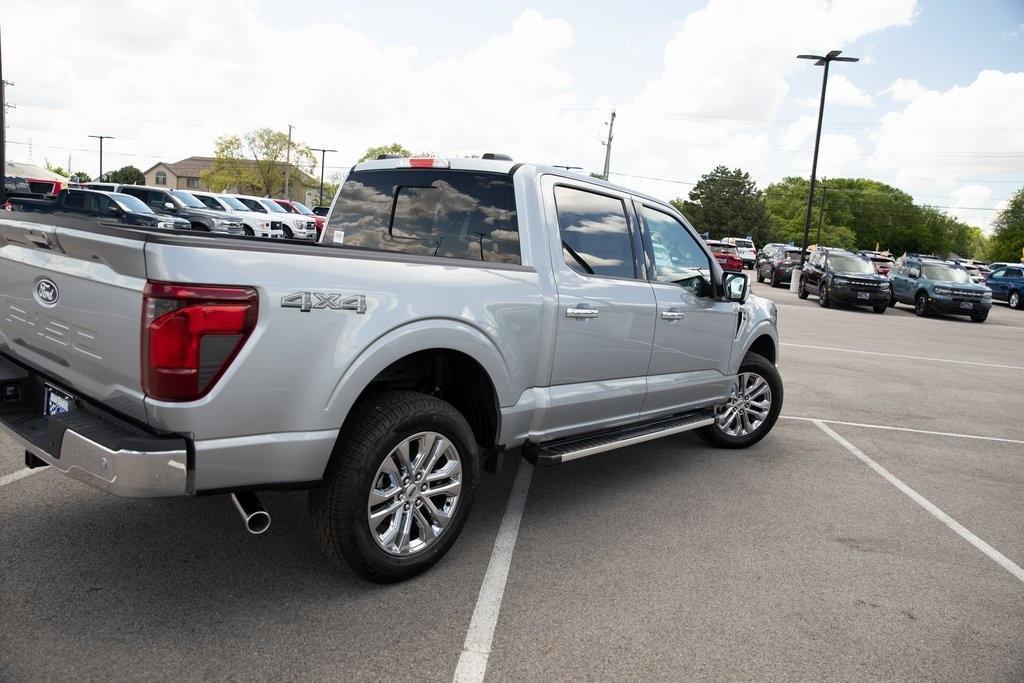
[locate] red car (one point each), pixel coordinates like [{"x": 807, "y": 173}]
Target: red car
[
  {"x": 727, "y": 255},
  {"x": 298, "y": 207}
]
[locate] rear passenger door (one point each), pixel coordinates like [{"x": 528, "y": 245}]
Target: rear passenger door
[{"x": 606, "y": 309}]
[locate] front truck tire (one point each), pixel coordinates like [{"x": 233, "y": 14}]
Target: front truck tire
[
  {"x": 399, "y": 486},
  {"x": 751, "y": 411}
]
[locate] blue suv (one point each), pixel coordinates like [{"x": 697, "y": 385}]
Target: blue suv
[
  {"x": 1007, "y": 284},
  {"x": 931, "y": 285}
]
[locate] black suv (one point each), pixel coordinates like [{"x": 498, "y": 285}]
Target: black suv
[
  {"x": 844, "y": 277},
  {"x": 775, "y": 263},
  {"x": 183, "y": 205}
]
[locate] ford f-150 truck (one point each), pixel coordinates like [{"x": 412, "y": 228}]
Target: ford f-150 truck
[{"x": 456, "y": 312}]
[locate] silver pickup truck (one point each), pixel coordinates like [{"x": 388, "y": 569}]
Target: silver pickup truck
[{"x": 456, "y": 312}]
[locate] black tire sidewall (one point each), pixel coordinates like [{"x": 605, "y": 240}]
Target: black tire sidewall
[
  {"x": 350, "y": 507},
  {"x": 766, "y": 369}
]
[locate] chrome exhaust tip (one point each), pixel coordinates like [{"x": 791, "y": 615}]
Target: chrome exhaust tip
[{"x": 254, "y": 515}]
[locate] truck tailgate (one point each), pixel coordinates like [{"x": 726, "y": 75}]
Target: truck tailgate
[{"x": 71, "y": 306}]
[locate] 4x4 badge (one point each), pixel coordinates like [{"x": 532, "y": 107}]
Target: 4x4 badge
[{"x": 310, "y": 301}]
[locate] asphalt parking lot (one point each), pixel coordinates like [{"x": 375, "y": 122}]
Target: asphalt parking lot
[{"x": 838, "y": 547}]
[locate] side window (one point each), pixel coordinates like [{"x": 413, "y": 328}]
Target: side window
[
  {"x": 253, "y": 205},
  {"x": 136, "y": 192},
  {"x": 74, "y": 201},
  {"x": 1002, "y": 272},
  {"x": 430, "y": 212},
  {"x": 1013, "y": 272},
  {"x": 156, "y": 200},
  {"x": 678, "y": 256},
  {"x": 98, "y": 204},
  {"x": 210, "y": 202},
  {"x": 595, "y": 233}
]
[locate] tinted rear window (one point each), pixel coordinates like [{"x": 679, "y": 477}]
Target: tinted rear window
[{"x": 432, "y": 212}]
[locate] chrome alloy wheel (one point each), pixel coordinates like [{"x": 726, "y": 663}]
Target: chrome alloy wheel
[
  {"x": 414, "y": 494},
  {"x": 747, "y": 408}
]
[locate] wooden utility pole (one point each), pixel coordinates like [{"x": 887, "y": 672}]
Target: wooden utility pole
[
  {"x": 288, "y": 166},
  {"x": 608, "y": 146}
]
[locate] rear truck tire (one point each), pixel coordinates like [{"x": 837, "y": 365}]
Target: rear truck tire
[
  {"x": 880, "y": 308},
  {"x": 752, "y": 409},
  {"x": 979, "y": 316},
  {"x": 1015, "y": 300},
  {"x": 374, "y": 511},
  {"x": 775, "y": 279},
  {"x": 823, "y": 299},
  {"x": 801, "y": 290},
  {"x": 921, "y": 307}
]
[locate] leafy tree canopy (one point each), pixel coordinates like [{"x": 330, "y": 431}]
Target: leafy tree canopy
[
  {"x": 727, "y": 203},
  {"x": 256, "y": 162},
  {"x": 1007, "y": 242},
  {"x": 394, "y": 148},
  {"x": 127, "y": 175},
  {"x": 80, "y": 177}
]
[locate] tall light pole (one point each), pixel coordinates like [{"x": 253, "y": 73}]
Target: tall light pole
[
  {"x": 288, "y": 166},
  {"x": 323, "y": 159},
  {"x": 101, "y": 138},
  {"x": 832, "y": 56},
  {"x": 608, "y": 146}
]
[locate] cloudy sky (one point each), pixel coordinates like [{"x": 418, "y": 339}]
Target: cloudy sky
[{"x": 936, "y": 105}]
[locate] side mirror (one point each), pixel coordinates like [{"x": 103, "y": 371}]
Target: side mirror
[
  {"x": 114, "y": 209},
  {"x": 737, "y": 286},
  {"x": 914, "y": 274},
  {"x": 169, "y": 206}
]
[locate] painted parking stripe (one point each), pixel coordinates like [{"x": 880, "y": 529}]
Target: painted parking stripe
[
  {"x": 477, "y": 648},
  {"x": 965, "y": 533},
  {"x": 903, "y": 429},
  {"x": 20, "y": 474},
  {"x": 900, "y": 355}
]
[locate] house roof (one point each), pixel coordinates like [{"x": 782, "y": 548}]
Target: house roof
[{"x": 195, "y": 166}]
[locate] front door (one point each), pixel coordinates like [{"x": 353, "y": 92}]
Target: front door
[
  {"x": 606, "y": 311},
  {"x": 694, "y": 329}
]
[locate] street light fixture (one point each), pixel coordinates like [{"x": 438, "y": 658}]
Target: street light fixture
[
  {"x": 824, "y": 61},
  {"x": 323, "y": 158},
  {"x": 101, "y": 138}
]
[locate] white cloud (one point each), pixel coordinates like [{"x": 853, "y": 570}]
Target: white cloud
[
  {"x": 841, "y": 92},
  {"x": 905, "y": 90},
  {"x": 1015, "y": 32}
]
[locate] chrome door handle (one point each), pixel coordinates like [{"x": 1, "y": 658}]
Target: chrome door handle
[
  {"x": 572, "y": 312},
  {"x": 672, "y": 314}
]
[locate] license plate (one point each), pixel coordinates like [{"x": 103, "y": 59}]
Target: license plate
[
  {"x": 863, "y": 295},
  {"x": 966, "y": 304},
  {"x": 57, "y": 402}
]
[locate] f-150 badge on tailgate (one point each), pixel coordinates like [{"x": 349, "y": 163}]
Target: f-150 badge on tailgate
[{"x": 311, "y": 301}]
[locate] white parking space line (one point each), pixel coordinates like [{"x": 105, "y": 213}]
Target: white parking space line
[
  {"x": 477, "y": 648},
  {"x": 965, "y": 533},
  {"x": 20, "y": 474},
  {"x": 900, "y": 355},
  {"x": 903, "y": 429}
]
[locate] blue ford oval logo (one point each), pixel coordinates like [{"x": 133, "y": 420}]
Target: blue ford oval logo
[{"x": 47, "y": 293}]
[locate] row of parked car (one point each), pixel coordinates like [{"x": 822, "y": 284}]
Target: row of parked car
[{"x": 157, "y": 207}]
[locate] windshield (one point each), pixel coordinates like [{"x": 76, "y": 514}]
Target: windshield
[
  {"x": 272, "y": 205},
  {"x": 972, "y": 270},
  {"x": 944, "y": 273},
  {"x": 130, "y": 203},
  {"x": 233, "y": 203},
  {"x": 188, "y": 200},
  {"x": 744, "y": 244},
  {"x": 723, "y": 248},
  {"x": 850, "y": 264},
  {"x": 882, "y": 261},
  {"x": 302, "y": 208},
  {"x": 792, "y": 254}
]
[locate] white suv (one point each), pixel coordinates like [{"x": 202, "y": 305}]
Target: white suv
[
  {"x": 296, "y": 226},
  {"x": 256, "y": 223},
  {"x": 745, "y": 247}
]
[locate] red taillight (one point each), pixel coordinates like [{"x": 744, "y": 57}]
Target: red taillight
[{"x": 190, "y": 335}]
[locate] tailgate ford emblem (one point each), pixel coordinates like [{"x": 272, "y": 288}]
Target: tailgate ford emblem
[{"x": 47, "y": 293}]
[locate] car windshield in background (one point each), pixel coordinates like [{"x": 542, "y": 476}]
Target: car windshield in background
[
  {"x": 273, "y": 206},
  {"x": 744, "y": 244},
  {"x": 188, "y": 200},
  {"x": 302, "y": 208},
  {"x": 723, "y": 248},
  {"x": 792, "y": 254},
  {"x": 233, "y": 203},
  {"x": 972, "y": 270},
  {"x": 944, "y": 273},
  {"x": 130, "y": 203},
  {"x": 850, "y": 264},
  {"x": 458, "y": 214},
  {"x": 882, "y": 261}
]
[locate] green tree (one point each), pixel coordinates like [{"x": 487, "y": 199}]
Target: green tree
[
  {"x": 54, "y": 168},
  {"x": 256, "y": 162},
  {"x": 727, "y": 202},
  {"x": 80, "y": 177},
  {"x": 127, "y": 175},
  {"x": 394, "y": 148},
  {"x": 1007, "y": 241}
]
